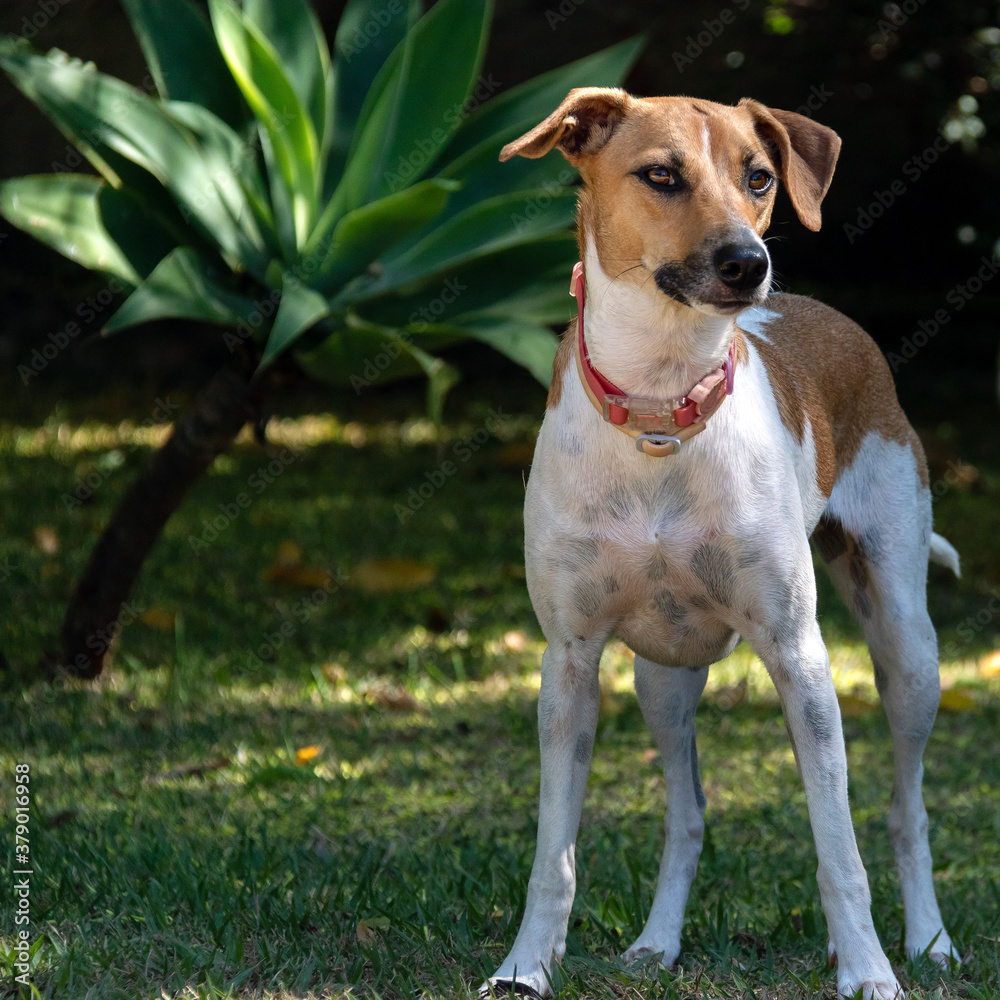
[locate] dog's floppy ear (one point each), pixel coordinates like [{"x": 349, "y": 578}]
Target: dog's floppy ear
[
  {"x": 806, "y": 153},
  {"x": 582, "y": 124}
]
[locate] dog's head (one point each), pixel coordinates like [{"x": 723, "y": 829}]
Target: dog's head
[{"x": 682, "y": 190}]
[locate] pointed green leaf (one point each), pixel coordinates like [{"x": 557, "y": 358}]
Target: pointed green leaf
[
  {"x": 491, "y": 225},
  {"x": 227, "y": 154},
  {"x": 528, "y": 281},
  {"x": 182, "y": 286},
  {"x": 361, "y": 354},
  {"x": 99, "y": 111},
  {"x": 480, "y": 170},
  {"x": 300, "y": 308},
  {"x": 267, "y": 89},
  {"x": 532, "y": 347},
  {"x": 415, "y": 103},
  {"x": 294, "y": 31},
  {"x": 367, "y": 33},
  {"x": 359, "y": 358},
  {"x": 184, "y": 59},
  {"x": 62, "y": 211},
  {"x": 441, "y": 377},
  {"x": 363, "y": 234},
  {"x": 521, "y": 108}
]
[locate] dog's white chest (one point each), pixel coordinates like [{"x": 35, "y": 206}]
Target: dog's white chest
[{"x": 645, "y": 555}]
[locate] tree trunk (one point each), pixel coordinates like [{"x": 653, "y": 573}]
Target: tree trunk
[{"x": 204, "y": 430}]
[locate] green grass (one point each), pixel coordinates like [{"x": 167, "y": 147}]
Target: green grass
[{"x": 180, "y": 850}]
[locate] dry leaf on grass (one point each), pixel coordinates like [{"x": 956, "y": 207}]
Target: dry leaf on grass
[
  {"x": 953, "y": 700},
  {"x": 157, "y": 617},
  {"x": 289, "y": 553},
  {"x": 190, "y": 771},
  {"x": 366, "y": 929},
  {"x": 393, "y": 698},
  {"x": 854, "y": 707},
  {"x": 516, "y": 456},
  {"x": 46, "y": 539},
  {"x": 305, "y": 754},
  {"x": 287, "y": 568},
  {"x": 729, "y": 697},
  {"x": 334, "y": 673},
  {"x": 382, "y": 576}
]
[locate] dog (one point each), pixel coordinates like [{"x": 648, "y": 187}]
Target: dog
[{"x": 698, "y": 432}]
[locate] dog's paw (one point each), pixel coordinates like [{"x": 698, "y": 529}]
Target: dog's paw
[
  {"x": 946, "y": 959},
  {"x": 872, "y": 990},
  {"x": 938, "y": 950},
  {"x": 642, "y": 952}
]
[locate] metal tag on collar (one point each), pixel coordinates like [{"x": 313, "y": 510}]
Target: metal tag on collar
[{"x": 659, "y": 440}]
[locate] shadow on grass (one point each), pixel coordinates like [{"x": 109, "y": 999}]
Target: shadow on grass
[{"x": 182, "y": 850}]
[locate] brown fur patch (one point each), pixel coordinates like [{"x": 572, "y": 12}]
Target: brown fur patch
[
  {"x": 742, "y": 353},
  {"x": 831, "y": 542},
  {"x": 562, "y": 361},
  {"x": 823, "y": 366}
]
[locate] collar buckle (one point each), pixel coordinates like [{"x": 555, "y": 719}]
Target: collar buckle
[{"x": 645, "y": 414}]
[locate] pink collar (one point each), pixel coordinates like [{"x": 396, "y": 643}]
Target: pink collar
[{"x": 645, "y": 417}]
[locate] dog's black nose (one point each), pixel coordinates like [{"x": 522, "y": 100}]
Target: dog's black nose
[{"x": 741, "y": 266}]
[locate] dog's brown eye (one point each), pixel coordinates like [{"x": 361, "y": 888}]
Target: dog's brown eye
[
  {"x": 661, "y": 175},
  {"x": 760, "y": 180}
]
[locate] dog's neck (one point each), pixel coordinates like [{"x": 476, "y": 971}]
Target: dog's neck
[{"x": 642, "y": 340}]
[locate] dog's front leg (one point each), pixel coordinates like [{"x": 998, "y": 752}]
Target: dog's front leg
[
  {"x": 567, "y": 721},
  {"x": 800, "y": 668}
]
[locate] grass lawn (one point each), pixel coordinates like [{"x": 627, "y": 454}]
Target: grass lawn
[{"x": 309, "y": 773}]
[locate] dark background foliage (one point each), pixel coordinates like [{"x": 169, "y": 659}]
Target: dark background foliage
[{"x": 887, "y": 78}]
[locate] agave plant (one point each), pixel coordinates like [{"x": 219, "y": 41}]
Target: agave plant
[{"x": 343, "y": 206}]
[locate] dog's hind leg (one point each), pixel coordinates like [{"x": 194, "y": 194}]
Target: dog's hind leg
[
  {"x": 668, "y": 697},
  {"x": 876, "y": 549}
]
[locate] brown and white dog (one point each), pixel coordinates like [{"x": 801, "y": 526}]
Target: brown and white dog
[{"x": 679, "y": 518}]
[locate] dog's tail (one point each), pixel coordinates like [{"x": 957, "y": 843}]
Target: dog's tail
[{"x": 944, "y": 554}]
